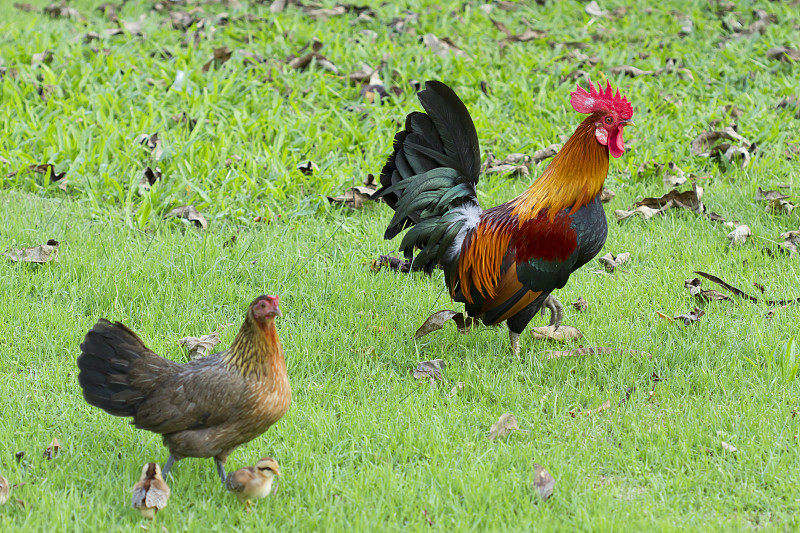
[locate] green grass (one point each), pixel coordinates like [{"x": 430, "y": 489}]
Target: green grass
[{"x": 364, "y": 447}]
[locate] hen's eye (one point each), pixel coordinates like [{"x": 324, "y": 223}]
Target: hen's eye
[{"x": 609, "y": 120}]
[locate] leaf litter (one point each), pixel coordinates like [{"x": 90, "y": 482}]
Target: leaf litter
[
  {"x": 506, "y": 425},
  {"x": 190, "y": 213},
  {"x": 438, "y": 319},
  {"x": 52, "y": 450},
  {"x": 203, "y": 345},
  {"x": 556, "y": 333},
  {"x": 431, "y": 370},
  {"x": 543, "y": 482},
  {"x": 687, "y": 318},
  {"x": 610, "y": 262},
  {"x": 40, "y": 254}
]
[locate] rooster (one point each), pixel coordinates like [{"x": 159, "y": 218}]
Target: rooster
[
  {"x": 204, "y": 408},
  {"x": 502, "y": 262}
]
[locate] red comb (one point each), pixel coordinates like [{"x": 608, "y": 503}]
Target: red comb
[{"x": 588, "y": 102}]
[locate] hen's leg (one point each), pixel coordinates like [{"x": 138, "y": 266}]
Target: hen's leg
[
  {"x": 220, "y": 469},
  {"x": 167, "y": 466}
]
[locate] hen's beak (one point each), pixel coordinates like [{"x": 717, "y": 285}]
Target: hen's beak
[{"x": 627, "y": 123}]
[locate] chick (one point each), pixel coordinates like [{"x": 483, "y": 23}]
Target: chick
[
  {"x": 4, "y": 490},
  {"x": 253, "y": 481},
  {"x": 151, "y": 493}
]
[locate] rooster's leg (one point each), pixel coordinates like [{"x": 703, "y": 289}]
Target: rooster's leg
[
  {"x": 514, "y": 338},
  {"x": 556, "y": 310},
  {"x": 167, "y": 466},
  {"x": 220, "y": 469}
]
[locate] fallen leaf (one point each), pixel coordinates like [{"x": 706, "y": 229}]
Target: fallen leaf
[
  {"x": 695, "y": 289},
  {"x": 456, "y": 388},
  {"x": 690, "y": 200},
  {"x": 728, "y": 447},
  {"x": 152, "y": 143},
  {"x": 546, "y": 153},
  {"x": 45, "y": 57},
  {"x": 503, "y": 427},
  {"x": 437, "y": 320},
  {"x": 628, "y": 70},
  {"x": 779, "y": 205},
  {"x": 528, "y": 35},
  {"x": 580, "y": 304},
  {"x": 51, "y": 451},
  {"x": 220, "y": 56},
  {"x": 429, "y": 370},
  {"x": 57, "y": 11},
  {"x": 611, "y": 262},
  {"x": 784, "y": 54},
  {"x": 441, "y": 47},
  {"x": 768, "y": 196},
  {"x": 35, "y": 254},
  {"x": 739, "y": 235},
  {"x": 200, "y": 346},
  {"x": 593, "y": 9},
  {"x": 308, "y": 167},
  {"x": 19, "y": 455},
  {"x": 300, "y": 62},
  {"x": 687, "y": 25},
  {"x": 190, "y": 213},
  {"x": 149, "y": 178},
  {"x": 603, "y": 407},
  {"x": 48, "y": 169},
  {"x": 558, "y": 334},
  {"x": 24, "y": 7},
  {"x": 354, "y": 197},
  {"x": 578, "y": 352},
  {"x": 644, "y": 212},
  {"x": 791, "y": 240},
  {"x": 278, "y": 5},
  {"x": 543, "y": 482},
  {"x": 687, "y": 318},
  {"x": 391, "y": 262},
  {"x": 607, "y": 195},
  {"x": 706, "y": 145}
]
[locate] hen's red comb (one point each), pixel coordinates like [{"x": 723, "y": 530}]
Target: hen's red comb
[{"x": 588, "y": 102}]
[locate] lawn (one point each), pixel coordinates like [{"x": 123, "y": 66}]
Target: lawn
[{"x": 365, "y": 446}]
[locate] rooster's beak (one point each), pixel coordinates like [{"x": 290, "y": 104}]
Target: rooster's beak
[{"x": 627, "y": 123}]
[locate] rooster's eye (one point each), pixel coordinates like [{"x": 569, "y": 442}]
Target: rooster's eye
[{"x": 609, "y": 119}]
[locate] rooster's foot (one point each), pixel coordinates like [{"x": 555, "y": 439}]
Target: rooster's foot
[
  {"x": 556, "y": 310},
  {"x": 514, "y": 338}
]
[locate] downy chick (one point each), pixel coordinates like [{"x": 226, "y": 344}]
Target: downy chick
[
  {"x": 253, "y": 481},
  {"x": 151, "y": 493}
]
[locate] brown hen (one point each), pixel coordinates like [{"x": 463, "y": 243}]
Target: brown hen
[{"x": 204, "y": 408}]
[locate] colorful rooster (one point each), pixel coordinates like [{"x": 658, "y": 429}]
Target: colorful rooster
[{"x": 502, "y": 262}]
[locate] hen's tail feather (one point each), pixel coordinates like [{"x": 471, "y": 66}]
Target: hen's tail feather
[{"x": 107, "y": 354}]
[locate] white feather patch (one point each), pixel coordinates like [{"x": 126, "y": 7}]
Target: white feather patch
[{"x": 470, "y": 215}]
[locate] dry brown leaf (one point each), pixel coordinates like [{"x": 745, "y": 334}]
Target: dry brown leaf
[
  {"x": 543, "y": 482},
  {"x": 57, "y": 11},
  {"x": 558, "y": 334},
  {"x": 308, "y": 167},
  {"x": 35, "y": 254},
  {"x": 603, "y": 407},
  {"x": 546, "y": 153},
  {"x": 644, "y": 212},
  {"x": 593, "y": 9},
  {"x": 689, "y": 317},
  {"x": 768, "y": 196},
  {"x": 220, "y": 56},
  {"x": 429, "y": 370},
  {"x": 784, "y": 53},
  {"x": 391, "y": 262},
  {"x": 149, "y": 178},
  {"x": 503, "y": 427},
  {"x": 611, "y": 262},
  {"x": 728, "y": 447},
  {"x": 628, "y": 70},
  {"x": 739, "y": 235},
  {"x": 51, "y": 451},
  {"x": 200, "y": 346},
  {"x": 354, "y": 197},
  {"x": 456, "y": 388},
  {"x": 578, "y": 352},
  {"x": 779, "y": 206},
  {"x": 695, "y": 289},
  {"x": 190, "y": 213},
  {"x": 607, "y": 195},
  {"x": 47, "y": 168},
  {"x": 153, "y": 144},
  {"x": 45, "y": 57},
  {"x": 441, "y": 47},
  {"x": 24, "y": 7},
  {"x": 791, "y": 240},
  {"x": 690, "y": 200},
  {"x": 580, "y": 304},
  {"x": 437, "y": 320}
]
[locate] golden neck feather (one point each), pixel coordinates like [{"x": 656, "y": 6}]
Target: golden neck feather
[
  {"x": 256, "y": 350},
  {"x": 574, "y": 177}
]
